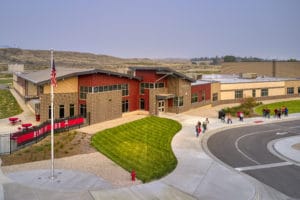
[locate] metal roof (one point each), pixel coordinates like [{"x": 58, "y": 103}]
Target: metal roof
[
  {"x": 163, "y": 70},
  {"x": 43, "y": 76},
  {"x": 233, "y": 78}
]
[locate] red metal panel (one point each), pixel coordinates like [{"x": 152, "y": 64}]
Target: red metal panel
[{"x": 199, "y": 88}]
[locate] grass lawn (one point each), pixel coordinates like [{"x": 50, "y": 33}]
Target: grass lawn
[
  {"x": 8, "y": 105},
  {"x": 293, "y": 106},
  {"x": 143, "y": 145},
  {"x": 6, "y": 81}
]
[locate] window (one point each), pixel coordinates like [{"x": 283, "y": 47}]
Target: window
[
  {"x": 100, "y": 88},
  {"x": 83, "y": 110},
  {"x": 178, "y": 101},
  {"x": 125, "y": 106},
  {"x": 142, "y": 104},
  {"x": 264, "y": 92},
  {"x": 194, "y": 98},
  {"x": 142, "y": 88},
  {"x": 83, "y": 92},
  {"x": 215, "y": 97},
  {"x": 203, "y": 96},
  {"x": 159, "y": 85},
  {"x": 253, "y": 93},
  {"x": 125, "y": 90},
  {"x": 72, "y": 110},
  {"x": 151, "y": 85},
  {"x": 299, "y": 90},
  {"x": 290, "y": 90},
  {"x": 41, "y": 90},
  {"x": 49, "y": 112},
  {"x": 61, "y": 111},
  {"x": 238, "y": 94},
  {"x": 95, "y": 89}
]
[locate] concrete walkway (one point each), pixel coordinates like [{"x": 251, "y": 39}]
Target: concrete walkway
[{"x": 197, "y": 175}]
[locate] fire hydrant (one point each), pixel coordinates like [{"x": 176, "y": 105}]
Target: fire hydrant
[{"x": 133, "y": 174}]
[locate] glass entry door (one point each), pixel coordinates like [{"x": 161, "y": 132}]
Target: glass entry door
[{"x": 161, "y": 106}]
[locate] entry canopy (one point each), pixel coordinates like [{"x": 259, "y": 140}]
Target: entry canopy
[{"x": 164, "y": 96}]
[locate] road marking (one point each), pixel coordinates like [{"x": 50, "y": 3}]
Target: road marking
[
  {"x": 282, "y": 133},
  {"x": 236, "y": 144},
  {"x": 263, "y": 166}
]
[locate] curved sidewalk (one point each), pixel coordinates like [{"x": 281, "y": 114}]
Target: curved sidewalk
[
  {"x": 197, "y": 175},
  {"x": 289, "y": 148}
]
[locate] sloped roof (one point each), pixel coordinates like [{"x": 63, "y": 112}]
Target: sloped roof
[
  {"x": 162, "y": 70},
  {"x": 43, "y": 76}
]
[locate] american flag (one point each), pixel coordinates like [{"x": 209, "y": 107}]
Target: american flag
[{"x": 53, "y": 75}]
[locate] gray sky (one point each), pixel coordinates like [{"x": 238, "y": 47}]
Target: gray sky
[{"x": 155, "y": 28}]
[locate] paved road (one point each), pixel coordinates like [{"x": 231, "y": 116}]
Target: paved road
[{"x": 248, "y": 149}]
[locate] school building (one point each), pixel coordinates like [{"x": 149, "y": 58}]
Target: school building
[{"x": 100, "y": 95}]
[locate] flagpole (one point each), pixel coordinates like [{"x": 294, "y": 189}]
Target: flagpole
[{"x": 52, "y": 123}]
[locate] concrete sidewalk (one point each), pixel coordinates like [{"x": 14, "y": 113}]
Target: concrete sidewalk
[{"x": 197, "y": 175}]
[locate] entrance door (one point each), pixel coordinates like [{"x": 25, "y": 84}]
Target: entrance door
[{"x": 161, "y": 106}]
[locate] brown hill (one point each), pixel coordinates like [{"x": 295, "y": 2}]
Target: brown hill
[{"x": 39, "y": 59}]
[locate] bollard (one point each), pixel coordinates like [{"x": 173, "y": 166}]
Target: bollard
[{"x": 133, "y": 174}]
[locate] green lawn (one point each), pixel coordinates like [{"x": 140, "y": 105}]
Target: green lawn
[
  {"x": 8, "y": 105},
  {"x": 5, "y": 81},
  {"x": 143, "y": 145},
  {"x": 293, "y": 106}
]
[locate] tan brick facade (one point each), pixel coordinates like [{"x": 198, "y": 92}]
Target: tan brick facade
[
  {"x": 104, "y": 106},
  {"x": 68, "y": 84},
  {"x": 59, "y": 99},
  {"x": 153, "y": 101}
]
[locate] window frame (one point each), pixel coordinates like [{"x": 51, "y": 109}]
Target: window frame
[{"x": 264, "y": 92}]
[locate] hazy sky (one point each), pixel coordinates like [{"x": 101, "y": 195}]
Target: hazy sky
[{"x": 155, "y": 28}]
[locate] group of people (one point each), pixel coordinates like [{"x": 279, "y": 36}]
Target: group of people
[
  {"x": 223, "y": 116},
  {"x": 278, "y": 112},
  {"x": 281, "y": 111},
  {"x": 201, "y": 127}
]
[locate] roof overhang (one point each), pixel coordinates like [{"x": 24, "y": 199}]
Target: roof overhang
[{"x": 164, "y": 96}]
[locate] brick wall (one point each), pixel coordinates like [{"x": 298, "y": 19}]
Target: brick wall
[
  {"x": 153, "y": 101},
  {"x": 104, "y": 106},
  {"x": 59, "y": 99}
]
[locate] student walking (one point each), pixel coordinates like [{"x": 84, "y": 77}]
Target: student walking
[
  {"x": 204, "y": 125},
  {"x": 229, "y": 120}
]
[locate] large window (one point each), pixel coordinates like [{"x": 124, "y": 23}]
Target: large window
[
  {"x": 215, "y": 97},
  {"x": 194, "y": 98},
  {"x": 49, "y": 112},
  {"x": 159, "y": 85},
  {"x": 125, "y": 91},
  {"x": 83, "y": 110},
  {"x": 125, "y": 106},
  {"x": 178, "y": 101},
  {"x": 203, "y": 95},
  {"x": 83, "y": 91},
  {"x": 72, "y": 110},
  {"x": 253, "y": 93},
  {"x": 61, "y": 111},
  {"x": 142, "y": 88},
  {"x": 264, "y": 92},
  {"x": 142, "y": 104},
  {"x": 238, "y": 94},
  {"x": 290, "y": 90}
]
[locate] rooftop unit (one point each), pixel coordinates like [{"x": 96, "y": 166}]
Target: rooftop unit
[{"x": 249, "y": 75}]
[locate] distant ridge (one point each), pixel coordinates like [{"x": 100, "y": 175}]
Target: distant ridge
[{"x": 39, "y": 59}]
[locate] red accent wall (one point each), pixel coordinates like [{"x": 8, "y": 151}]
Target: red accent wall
[
  {"x": 91, "y": 80},
  {"x": 199, "y": 88},
  {"x": 149, "y": 76}
]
